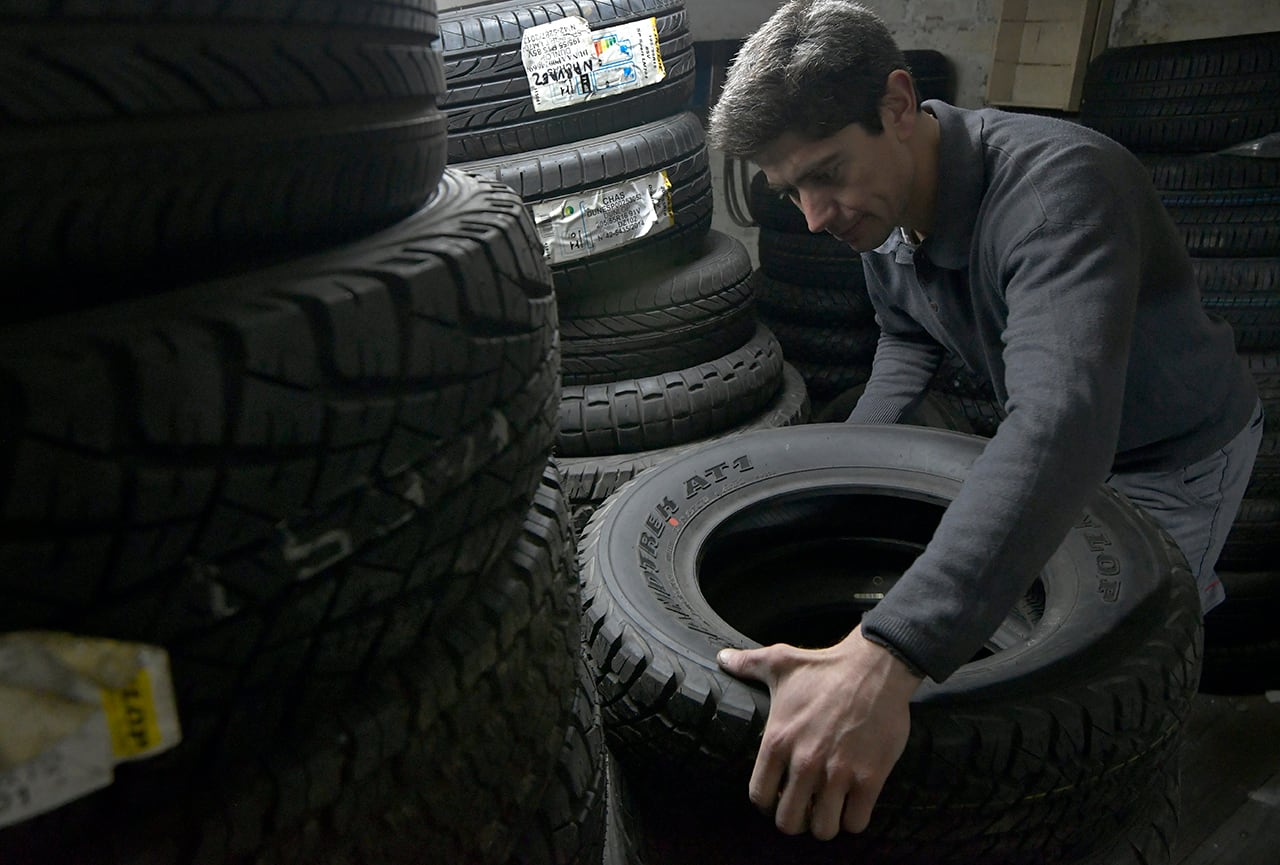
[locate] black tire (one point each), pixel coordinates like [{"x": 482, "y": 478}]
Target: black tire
[
  {"x": 811, "y": 304},
  {"x": 1143, "y": 832},
  {"x": 279, "y": 476},
  {"x": 933, "y": 72},
  {"x": 827, "y": 381},
  {"x": 954, "y": 377},
  {"x": 811, "y": 259},
  {"x": 490, "y": 111},
  {"x": 1246, "y": 293},
  {"x": 441, "y": 758},
  {"x": 1241, "y": 647},
  {"x": 773, "y": 211},
  {"x": 1264, "y": 483},
  {"x": 1010, "y": 760},
  {"x": 1185, "y": 97},
  {"x": 154, "y": 144},
  {"x": 1224, "y": 205},
  {"x": 673, "y": 408},
  {"x": 1254, "y": 540},
  {"x": 932, "y": 411},
  {"x": 588, "y": 481},
  {"x": 569, "y": 826},
  {"x": 676, "y": 315},
  {"x": 674, "y": 144},
  {"x": 852, "y": 346}
]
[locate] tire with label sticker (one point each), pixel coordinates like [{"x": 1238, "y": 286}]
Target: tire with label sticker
[
  {"x": 443, "y": 756},
  {"x": 1189, "y": 96},
  {"x": 672, "y": 408},
  {"x": 663, "y": 319},
  {"x": 281, "y": 477},
  {"x": 490, "y": 109},
  {"x": 630, "y": 166},
  {"x": 151, "y": 144},
  {"x": 1074, "y": 705}
]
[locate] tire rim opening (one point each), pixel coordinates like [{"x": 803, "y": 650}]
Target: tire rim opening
[{"x": 804, "y": 569}]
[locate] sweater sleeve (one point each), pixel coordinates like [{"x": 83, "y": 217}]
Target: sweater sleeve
[
  {"x": 906, "y": 359},
  {"x": 1071, "y": 293}
]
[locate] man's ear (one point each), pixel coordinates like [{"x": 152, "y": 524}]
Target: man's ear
[{"x": 900, "y": 100}]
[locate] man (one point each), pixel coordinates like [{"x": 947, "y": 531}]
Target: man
[{"x": 1039, "y": 253}]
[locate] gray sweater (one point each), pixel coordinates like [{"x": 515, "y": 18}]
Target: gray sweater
[{"x": 1054, "y": 270}]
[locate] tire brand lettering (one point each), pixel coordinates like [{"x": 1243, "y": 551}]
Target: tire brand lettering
[
  {"x": 1106, "y": 565},
  {"x": 717, "y": 473}
]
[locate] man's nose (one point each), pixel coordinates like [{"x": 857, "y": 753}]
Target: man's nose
[{"x": 816, "y": 208}]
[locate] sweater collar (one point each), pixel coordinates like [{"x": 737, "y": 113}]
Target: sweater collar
[{"x": 960, "y": 179}]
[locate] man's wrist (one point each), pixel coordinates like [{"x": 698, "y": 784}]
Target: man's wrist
[{"x": 894, "y": 652}]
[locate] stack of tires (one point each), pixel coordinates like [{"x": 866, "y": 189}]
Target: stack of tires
[
  {"x": 279, "y": 396},
  {"x": 1204, "y": 116},
  {"x": 660, "y": 342}
]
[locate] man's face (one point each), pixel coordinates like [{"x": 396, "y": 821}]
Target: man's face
[{"x": 853, "y": 185}]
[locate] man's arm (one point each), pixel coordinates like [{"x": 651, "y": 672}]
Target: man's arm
[{"x": 905, "y": 361}]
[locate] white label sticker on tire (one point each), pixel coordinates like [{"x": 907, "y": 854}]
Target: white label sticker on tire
[
  {"x": 73, "y": 708},
  {"x": 592, "y": 222},
  {"x": 568, "y": 63}
]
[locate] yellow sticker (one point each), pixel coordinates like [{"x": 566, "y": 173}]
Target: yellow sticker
[{"x": 132, "y": 717}]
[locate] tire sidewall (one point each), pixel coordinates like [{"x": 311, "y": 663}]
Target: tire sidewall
[{"x": 1106, "y": 583}]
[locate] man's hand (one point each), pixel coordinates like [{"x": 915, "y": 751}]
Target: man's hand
[{"x": 838, "y": 722}]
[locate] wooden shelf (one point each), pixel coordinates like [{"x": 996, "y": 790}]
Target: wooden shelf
[{"x": 1042, "y": 49}]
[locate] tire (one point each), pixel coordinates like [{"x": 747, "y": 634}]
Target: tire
[
  {"x": 443, "y": 757},
  {"x": 490, "y": 111},
  {"x": 671, "y": 317},
  {"x": 1254, "y": 540},
  {"x": 674, "y": 144},
  {"x": 827, "y": 381},
  {"x": 811, "y": 259},
  {"x": 1224, "y": 206},
  {"x": 1079, "y": 704},
  {"x": 773, "y": 211},
  {"x": 812, "y": 304},
  {"x": 569, "y": 826},
  {"x": 277, "y": 476},
  {"x": 673, "y": 408},
  {"x": 1246, "y": 293},
  {"x": 588, "y": 481},
  {"x": 150, "y": 139},
  {"x": 1241, "y": 649},
  {"x": 934, "y": 74},
  {"x": 1185, "y": 97},
  {"x": 852, "y": 346}
]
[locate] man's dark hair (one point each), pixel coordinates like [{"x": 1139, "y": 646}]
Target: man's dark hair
[{"x": 812, "y": 69}]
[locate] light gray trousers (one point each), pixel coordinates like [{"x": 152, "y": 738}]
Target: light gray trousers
[{"x": 1197, "y": 504}]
